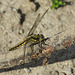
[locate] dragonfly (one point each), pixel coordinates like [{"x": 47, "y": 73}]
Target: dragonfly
[{"x": 33, "y": 38}]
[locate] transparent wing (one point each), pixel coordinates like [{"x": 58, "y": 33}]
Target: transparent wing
[
  {"x": 34, "y": 26},
  {"x": 38, "y": 19}
]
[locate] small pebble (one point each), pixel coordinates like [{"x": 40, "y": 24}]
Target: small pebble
[
  {"x": 21, "y": 31},
  {"x": 63, "y": 73},
  {"x": 27, "y": 70},
  {"x": 10, "y": 41},
  {"x": 14, "y": 9},
  {"x": 54, "y": 73},
  {"x": 12, "y": 2},
  {"x": 66, "y": 63}
]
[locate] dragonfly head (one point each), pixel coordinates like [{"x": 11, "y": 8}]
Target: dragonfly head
[{"x": 41, "y": 37}]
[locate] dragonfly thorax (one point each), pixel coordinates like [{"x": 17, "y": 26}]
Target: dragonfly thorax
[{"x": 35, "y": 38}]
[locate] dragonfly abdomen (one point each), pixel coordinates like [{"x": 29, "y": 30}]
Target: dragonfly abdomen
[{"x": 17, "y": 46}]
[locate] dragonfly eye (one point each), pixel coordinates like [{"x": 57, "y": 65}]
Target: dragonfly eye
[
  {"x": 41, "y": 37},
  {"x": 38, "y": 35}
]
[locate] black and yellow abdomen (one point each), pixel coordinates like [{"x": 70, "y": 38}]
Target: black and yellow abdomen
[{"x": 17, "y": 46}]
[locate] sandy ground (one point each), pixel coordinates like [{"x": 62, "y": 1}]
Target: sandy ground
[{"x": 16, "y": 19}]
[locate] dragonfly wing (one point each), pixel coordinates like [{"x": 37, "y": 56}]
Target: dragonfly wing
[
  {"x": 37, "y": 21},
  {"x": 34, "y": 26}
]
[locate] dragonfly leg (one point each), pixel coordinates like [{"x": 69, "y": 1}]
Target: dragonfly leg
[
  {"x": 32, "y": 44},
  {"x": 44, "y": 43},
  {"x": 40, "y": 44},
  {"x": 32, "y": 48},
  {"x": 24, "y": 52}
]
